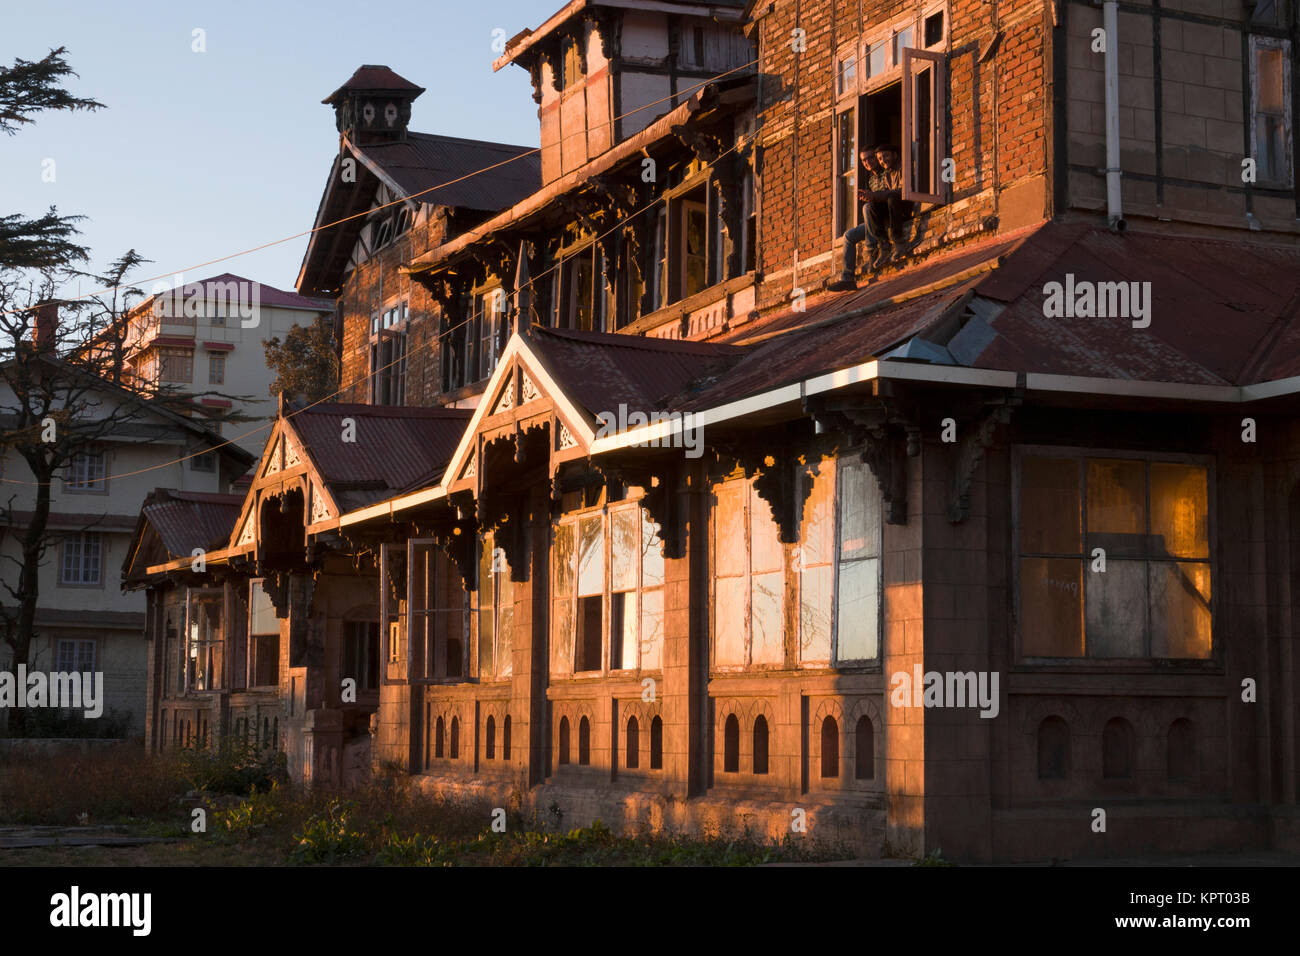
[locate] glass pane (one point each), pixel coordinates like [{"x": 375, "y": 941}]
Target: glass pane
[
  {"x": 767, "y": 646},
  {"x": 1117, "y": 609},
  {"x": 487, "y": 582},
  {"x": 1268, "y": 65},
  {"x": 1180, "y": 609},
  {"x": 623, "y": 653},
  {"x": 505, "y": 638},
  {"x": 562, "y": 637},
  {"x": 817, "y": 534},
  {"x": 902, "y": 40},
  {"x": 876, "y": 59},
  {"x": 815, "y": 613},
  {"x": 859, "y": 510},
  {"x": 847, "y": 79},
  {"x": 729, "y": 622},
  {"x": 858, "y": 613},
  {"x": 652, "y": 553},
  {"x": 623, "y": 549},
  {"x": 729, "y": 529},
  {"x": 652, "y": 629},
  {"x": 261, "y": 612},
  {"x": 1179, "y": 510},
  {"x": 1049, "y": 506},
  {"x": 591, "y": 557},
  {"x": 563, "y": 583},
  {"x": 1051, "y": 607},
  {"x": 765, "y": 536},
  {"x": 1117, "y": 506}
]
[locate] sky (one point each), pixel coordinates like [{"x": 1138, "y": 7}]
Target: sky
[{"x": 201, "y": 154}]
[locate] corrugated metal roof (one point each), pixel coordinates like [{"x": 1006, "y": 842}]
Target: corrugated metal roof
[
  {"x": 601, "y": 371},
  {"x": 424, "y": 161},
  {"x": 396, "y": 448},
  {"x": 1221, "y": 311},
  {"x": 374, "y": 77},
  {"x": 185, "y": 520}
]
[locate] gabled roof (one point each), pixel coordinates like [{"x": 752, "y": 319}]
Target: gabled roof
[{"x": 173, "y": 523}]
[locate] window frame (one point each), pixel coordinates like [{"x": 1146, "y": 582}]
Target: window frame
[
  {"x": 181, "y": 353},
  {"x": 81, "y": 482},
  {"x": 502, "y": 593},
  {"x": 217, "y": 365},
  {"x": 191, "y": 647},
  {"x": 83, "y": 538},
  {"x": 752, "y": 500},
  {"x": 389, "y": 348},
  {"x": 1257, "y": 43},
  {"x": 1143, "y": 664},
  {"x": 431, "y": 657},
  {"x": 252, "y": 655},
  {"x": 78, "y": 644}
]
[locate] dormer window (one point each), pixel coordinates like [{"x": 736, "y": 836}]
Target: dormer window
[{"x": 570, "y": 64}]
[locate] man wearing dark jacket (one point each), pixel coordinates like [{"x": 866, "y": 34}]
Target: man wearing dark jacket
[{"x": 886, "y": 217}]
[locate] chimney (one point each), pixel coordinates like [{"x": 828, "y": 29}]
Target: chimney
[{"x": 46, "y": 327}]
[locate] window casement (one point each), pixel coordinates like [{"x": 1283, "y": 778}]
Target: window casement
[
  {"x": 217, "y": 368},
  {"x": 205, "y": 462},
  {"x": 263, "y": 638},
  {"x": 176, "y": 365},
  {"x": 1113, "y": 555},
  {"x": 388, "y": 355},
  {"x": 494, "y": 610},
  {"x": 204, "y": 609},
  {"x": 686, "y": 251},
  {"x": 472, "y": 343},
  {"x": 570, "y": 64},
  {"x": 76, "y": 656},
  {"x": 582, "y": 297},
  {"x": 1270, "y": 108},
  {"x": 437, "y": 614},
  {"x": 86, "y": 473},
  {"x": 81, "y": 563},
  {"x": 608, "y": 600},
  {"x": 837, "y": 564},
  {"x": 891, "y": 87},
  {"x": 359, "y": 654},
  {"x": 748, "y": 579}
]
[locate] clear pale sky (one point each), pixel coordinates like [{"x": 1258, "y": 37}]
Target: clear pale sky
[{"x": 202, "y": 154}]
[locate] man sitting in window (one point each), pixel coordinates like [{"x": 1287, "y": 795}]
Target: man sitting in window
[{"x": 885, "y": 216}]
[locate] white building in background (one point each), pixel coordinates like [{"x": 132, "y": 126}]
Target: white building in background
[
  {"x": 84, "y": 621},
  {"x": 207, "y": 336}
]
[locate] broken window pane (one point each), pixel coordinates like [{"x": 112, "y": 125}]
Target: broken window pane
[
  {"x": 1179, "y": 510},
  {"x": 858, "y": 633},
  {"x": 1180, "y": 609},
  {"x": 652, "y": 553},
  {"x": 1117, "y": 506},
  {"x": 1051, "y": 607},
  {"x": 563, "y": 559},
  {"x": 1049, "y": 506},
  {"x": 767, "y": 646},
  {"x": 622, "y": 631},
  {"x": 562, "y": 636},
  {"x": 652, "y": 629},
  {"x": 589, "y": 638},
  {"x": 505, "y": 635},
  {"x": 1117, "y": 610}
]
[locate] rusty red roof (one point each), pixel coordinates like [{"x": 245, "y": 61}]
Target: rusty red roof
[
  {"x": 396, "y": 448},
  {"x": 600, "y": 371},
  {"x": 374, "y": 77},
  {"x": 466, "y": 173},
  {"x": 185, "y": 520}
]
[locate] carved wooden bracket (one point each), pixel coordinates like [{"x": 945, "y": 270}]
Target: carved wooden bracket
[
  {"x": 459, "y": 538},
  {"x": 970, "y": 452},
  {"x": 706, "y": 146},
  {"x": 889, "y": 437}
]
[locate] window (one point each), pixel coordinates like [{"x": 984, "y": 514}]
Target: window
[
  {"x": 439, "y": 739},
  {"x": 830, "y": 748},
  {"x": 496, "y": 610},
  {"x": 731, "y": 745},
  {"x": 176, "y": 365},
  {"x": 86, "y": 472},
  {"x": 846, "y": 171},
  {"x": 76, "y": 657},
  {"x": 263, "y": 638},
  {"x": 748, "y": 579},
  {"x": 490, "y": 739},
  {"x": 932, "y": 29},
  {"x": 216, "y": 368},
  {"x": 583, "y": 297},
  {"x": 206, "y": 462},
  {"x": 760, "y": 744},
  {"x": 659, "y": 263},
  {"x": 473, "y": 340},
  {"x": 924, "y": 106},
  {"x": 1147, "y": 519},
  {"x": 695, "y": 252},
  {"x": 633, "y": 748},
  {"x": 505, "y": 738},
  {"x": 81, "y": 559},
  {"x": 454, "y": 744},
  {"x": 563, "y": 741},
  {"x": 612, "y": 556},
  {"x": 656, "y": 743},
  {"x": 437, "y": 613},
  {"x": 203, "y": 658},
  {"x": 1271, "y": 110},
  {"x": 864, "y": 755},
  {"x": 388, "y": 356},
  {"x": 570, "y": 66},
  {"x": 359, "y": 659},
  {"x": 584, "y": 742}
]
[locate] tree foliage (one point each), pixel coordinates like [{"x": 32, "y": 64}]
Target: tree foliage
[{"x": 306, "y": 363}]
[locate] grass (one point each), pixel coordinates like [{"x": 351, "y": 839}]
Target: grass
[{"x": 254, "y": 817}]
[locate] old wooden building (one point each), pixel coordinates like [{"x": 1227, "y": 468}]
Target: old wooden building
[{"x": 626, "y": 512}]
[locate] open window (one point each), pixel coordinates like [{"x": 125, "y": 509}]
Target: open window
[
  {"x": 436, "y": 617},
  {"x": 925, "y": 111},
  {"x": 388, "y": 355}
]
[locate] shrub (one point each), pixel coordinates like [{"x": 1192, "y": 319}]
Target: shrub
[{"x": 327, "y": 837}]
